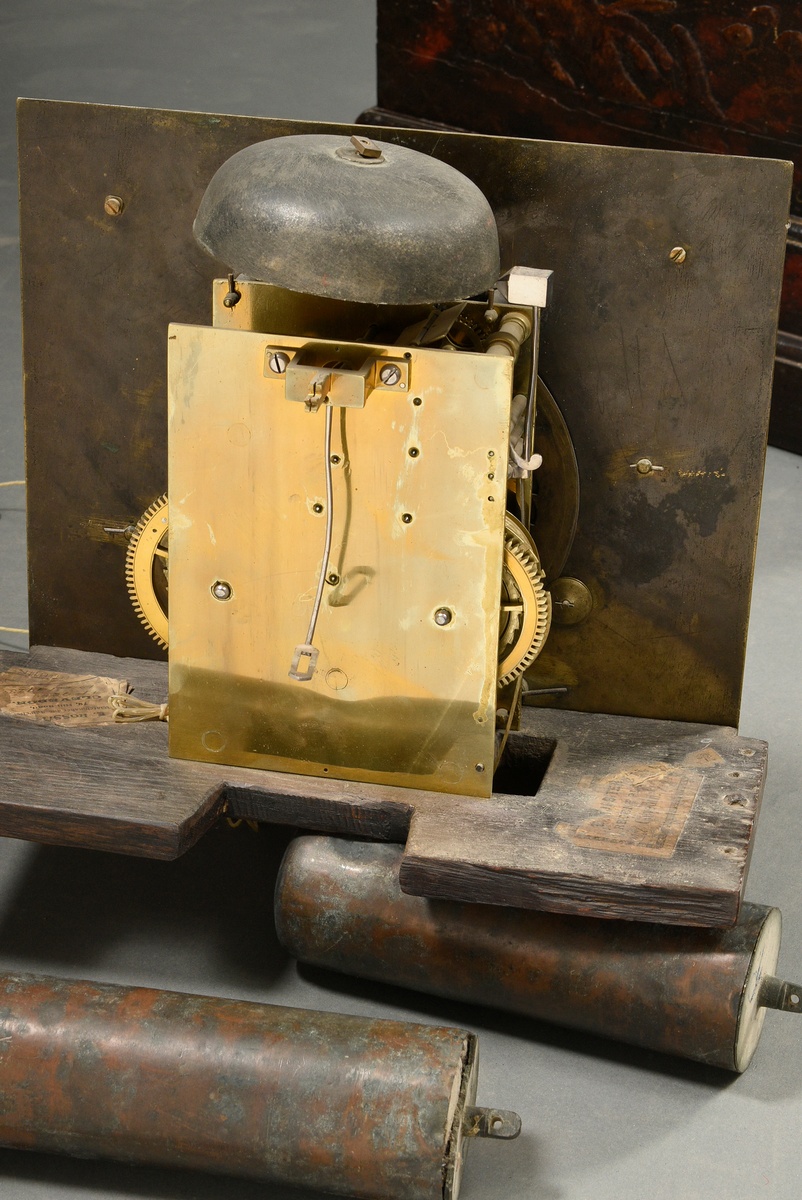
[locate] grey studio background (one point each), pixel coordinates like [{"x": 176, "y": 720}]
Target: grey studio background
[{"x": 600, "y": 1120}]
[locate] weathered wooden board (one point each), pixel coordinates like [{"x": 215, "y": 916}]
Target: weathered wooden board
[
  {"x": 632, "y": 818},
  {"x": 110, "y": 787}
]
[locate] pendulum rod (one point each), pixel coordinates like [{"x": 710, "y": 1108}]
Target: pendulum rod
[{"x": 307, "y": 649}]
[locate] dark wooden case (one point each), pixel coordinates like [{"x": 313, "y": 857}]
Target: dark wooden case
[{"x": 723, "y": 76}]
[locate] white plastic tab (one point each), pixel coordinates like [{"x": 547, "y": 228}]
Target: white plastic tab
[{"x": 528, "y": 285}]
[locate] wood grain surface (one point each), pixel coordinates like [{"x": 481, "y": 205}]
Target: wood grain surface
[{"x": 606, "y": 816}]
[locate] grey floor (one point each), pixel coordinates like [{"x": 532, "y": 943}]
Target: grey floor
[{"x": 600, "y": 1121}]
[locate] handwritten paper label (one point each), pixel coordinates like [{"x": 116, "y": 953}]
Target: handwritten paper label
[
  {"x": 642, "y": 811},
  {"x": 53, "y": 698}
]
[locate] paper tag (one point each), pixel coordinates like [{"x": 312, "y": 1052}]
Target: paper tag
[
  {"x": 54, "y": 698},
  {"x": 642, "y": 810}
]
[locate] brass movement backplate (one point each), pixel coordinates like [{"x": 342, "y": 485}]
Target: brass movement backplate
[{"x": 419, "y": 479}]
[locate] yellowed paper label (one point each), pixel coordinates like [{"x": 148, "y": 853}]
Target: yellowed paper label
[
  {"x": 54, "y": 698},
  {"x": 642, "y": 811},
  {"x": 703, "y": 758}
]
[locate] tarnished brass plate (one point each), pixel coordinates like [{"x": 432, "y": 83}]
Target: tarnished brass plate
[
  {"x": 396, "y": 697},
  {"x": 646, "y": 357}
]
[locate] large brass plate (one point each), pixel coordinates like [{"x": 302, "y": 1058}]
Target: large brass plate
[
  {"x": 645, "y": 357},
  {"x": 396, "y": 698}
]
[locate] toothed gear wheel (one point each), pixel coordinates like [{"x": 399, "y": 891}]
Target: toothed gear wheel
[
  {"x": 146, "y": 570},
  {"x": 525, "y": 604}
]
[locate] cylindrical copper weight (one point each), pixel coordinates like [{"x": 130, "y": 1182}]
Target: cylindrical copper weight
[
  {"x": 689, "y": 992},
  {"x": 337, "y": 1103}
]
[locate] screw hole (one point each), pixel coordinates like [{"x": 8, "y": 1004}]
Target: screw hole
[
  {"x": 414, "y": 452},
  {"x": 794, "y": 998},
  {"x": 406, "y": 518},
  {"x": 417, "y": 402}
]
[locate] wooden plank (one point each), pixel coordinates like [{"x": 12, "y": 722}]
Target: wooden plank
[
  {"x": 609, "y": 816},
  {"x": 633, "y": 819},
  {"x": 107, "y": 788}
]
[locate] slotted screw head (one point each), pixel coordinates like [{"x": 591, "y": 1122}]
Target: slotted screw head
[
  {"x": 278, "y": 362},
  {"x": 390, "y": 374}
]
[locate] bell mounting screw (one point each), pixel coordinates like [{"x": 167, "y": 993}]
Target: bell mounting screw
[{"x": 232, "y": 296}]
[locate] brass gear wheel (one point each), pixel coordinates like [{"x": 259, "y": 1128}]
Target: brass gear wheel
[
  {"x": 525, "y": 604},
  {"x": 146, "y": 570}
]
